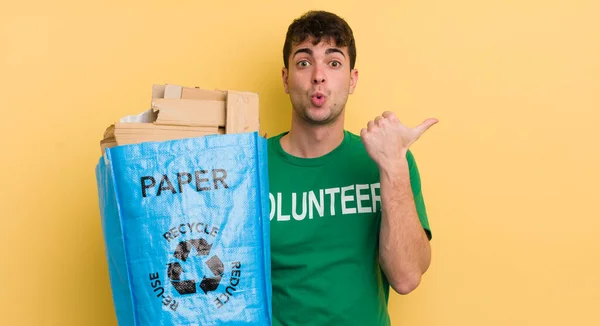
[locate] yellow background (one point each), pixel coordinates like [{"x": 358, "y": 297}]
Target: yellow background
[{"x": 510, "y": 174}]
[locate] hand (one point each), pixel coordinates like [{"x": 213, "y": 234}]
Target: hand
[{"x": 387, "y": 140}]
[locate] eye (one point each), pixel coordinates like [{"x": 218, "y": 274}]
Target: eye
[
  {"x": 335, "y": 64},
  {"x": 303, "y": 64}
]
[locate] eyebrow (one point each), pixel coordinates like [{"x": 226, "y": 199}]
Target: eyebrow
[
  {"x": 335, "y": 50},
  {"x": 328, "y": 51}
]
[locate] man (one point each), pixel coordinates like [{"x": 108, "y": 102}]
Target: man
[{"x": 347, "y": 215}]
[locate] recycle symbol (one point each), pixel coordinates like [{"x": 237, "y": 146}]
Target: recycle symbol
[{"x": 175, "y": 270}]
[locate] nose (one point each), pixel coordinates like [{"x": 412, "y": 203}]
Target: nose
[
  {"x": 318, "y": 76},
  {"x": 318, "y": 81}
]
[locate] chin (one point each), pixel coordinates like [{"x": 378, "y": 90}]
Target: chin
[
  {"x": 321, "y": 119},
  {"x": 317, "y": 115}
]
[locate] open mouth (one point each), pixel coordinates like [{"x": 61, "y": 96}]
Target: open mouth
[{"x": 318, "y": 99}]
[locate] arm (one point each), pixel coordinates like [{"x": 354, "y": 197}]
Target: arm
[{"x": 404, "y": 251}]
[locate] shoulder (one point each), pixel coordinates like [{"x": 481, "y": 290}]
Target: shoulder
[
  {"x": 273, "y": 141},
  {"x": 276, "y": 138},
  {"x": 354, "y": 152},
  {"x": 354, "y": 142}
]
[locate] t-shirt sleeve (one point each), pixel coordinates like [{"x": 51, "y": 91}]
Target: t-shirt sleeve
[{"x": 415, "y": 183}]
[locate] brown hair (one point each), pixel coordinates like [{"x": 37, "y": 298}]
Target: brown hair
[{"x": 321, "y": 25}]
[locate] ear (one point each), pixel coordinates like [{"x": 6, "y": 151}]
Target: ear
[
  {"x": 353, "y": 80},
  {"x": 284, "y": 77}
]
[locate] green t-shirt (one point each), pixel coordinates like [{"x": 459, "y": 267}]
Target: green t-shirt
[{"x": 325, "y": 217}]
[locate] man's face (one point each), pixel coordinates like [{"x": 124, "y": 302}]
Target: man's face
[{"x": 319, "y": 80}]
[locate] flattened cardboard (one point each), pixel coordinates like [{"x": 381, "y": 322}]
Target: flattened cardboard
[
  {"x": 203, "y": 94},
  {"x": 190, "y": 112},
  {"x": 183, "y": 112},
  {"x": 242, "y": 112},
  {"x": 158, "y": 91},
  {"x": 173, "y": 92}
]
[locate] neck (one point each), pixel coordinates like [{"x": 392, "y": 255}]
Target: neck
[{"x": 308, "y": 140}]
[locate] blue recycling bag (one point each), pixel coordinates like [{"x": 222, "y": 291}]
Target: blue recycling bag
[{"x": 186, "y": 231}]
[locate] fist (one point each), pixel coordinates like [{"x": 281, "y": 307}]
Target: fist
[{"x": 387, "y": 140}]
